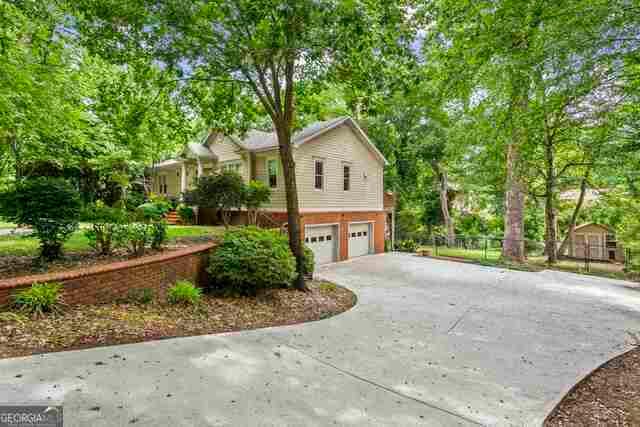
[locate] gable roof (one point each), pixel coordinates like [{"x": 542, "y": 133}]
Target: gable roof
[
  {"x": 606, "y": 227},
  {"x": 256, "y": 140}
]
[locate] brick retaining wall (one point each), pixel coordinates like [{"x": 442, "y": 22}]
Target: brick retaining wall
[{"x": 105, "y": 283}]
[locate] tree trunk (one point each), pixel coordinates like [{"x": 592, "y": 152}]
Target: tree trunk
[
  {"x": 293, "y": 210},
  {"x": 551, "y": 247},
  {"x": 574, "y": 216},
  {"x": 444, "y": 203},
  {"x": 513, "y": 247}
]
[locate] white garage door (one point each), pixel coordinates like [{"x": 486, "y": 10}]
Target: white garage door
[
  {"x": 359, "y": 240},
  {"x": 323, "y": 241}
]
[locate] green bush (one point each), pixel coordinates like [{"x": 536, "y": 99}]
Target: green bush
[
  {"x": 103, "y": 235},
  {"x": 187, "y": 214},
  {"x": 136, "y": 236},
  {"x": 184, "y": 292},
  {"x": 141, "y": 296},
  {"x": 309, "y": 262},
  {"x": 159, "y": 234},
  {"x": 251, "y": 259},
  {"x": 406, "y": 245},
  {"x": 51, "y": 206},
  {"x": 40, "y": 298}
]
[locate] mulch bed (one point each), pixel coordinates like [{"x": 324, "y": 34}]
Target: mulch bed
[
  {"x": 610, "y": 396},
  {"x": 84, "y": 326},
  {"x": 17, "y": 266}
]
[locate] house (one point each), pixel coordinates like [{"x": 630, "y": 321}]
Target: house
[
  {"x": 339, "y": 175},
  {"x": 597, "y": 242}
]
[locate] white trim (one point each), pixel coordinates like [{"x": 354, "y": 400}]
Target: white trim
[
  {"x": 357, "y": 129},
  {"x": 372, "y": 237},
  {"x": 323, "y": 161},
  {"x": 338, "y": 237}
]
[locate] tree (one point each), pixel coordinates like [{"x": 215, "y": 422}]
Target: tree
[
  {"x": 51, "y": 206},
  {"x": 268, "y": 46},
  {"x": 491, "y": 52},
  {"x": 221, "y": 191},
  {"x": 256, "y": 194}
]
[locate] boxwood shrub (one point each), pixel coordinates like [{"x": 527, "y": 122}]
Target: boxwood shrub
[{"x": 250, "y": 259}]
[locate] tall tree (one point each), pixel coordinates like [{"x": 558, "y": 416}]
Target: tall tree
[{"x": 269, "y": 46}]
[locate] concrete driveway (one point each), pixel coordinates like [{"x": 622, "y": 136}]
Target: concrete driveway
[{"x": 429, "y": 343}]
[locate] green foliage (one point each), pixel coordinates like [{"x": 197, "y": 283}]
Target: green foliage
[
  {"x": 223, "y": 191},
  {"x": 408, "y": 245},
  {"x": 136, "y": 236},
  {"x": 39, "y": 299},
  {"x": 184, "y": 292},
  {"x": 256, "y": 194},
  {"x": 159, "y": 234},
  {"x": 141, "y": 295},
  {"x": 155, "y": 209},
  {"x": 51, "y": 206},
  {"x": 104, "y": 236},
  {"x": 250, "y": 259},
  {"x": 309, "y": 261},
  {"x": 407, "y": 224},
  {"x": 187, "y": 214}
]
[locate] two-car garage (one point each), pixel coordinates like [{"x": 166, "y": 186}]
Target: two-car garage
[{"x": 324, "y": 241}]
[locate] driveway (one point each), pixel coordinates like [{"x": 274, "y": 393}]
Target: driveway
[{"x": 430, "y": 343}]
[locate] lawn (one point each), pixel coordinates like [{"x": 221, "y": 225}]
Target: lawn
[
  {"x": 4, "y": 225},
  {"x": 493, "y": 257},
  {"x": 28, "y": 246}
]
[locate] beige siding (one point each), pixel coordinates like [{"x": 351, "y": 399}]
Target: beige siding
[
  {"x": 278, "y": 194},
  {"x": 227, "y": 151},
  {"x": 338, "y": 147}
]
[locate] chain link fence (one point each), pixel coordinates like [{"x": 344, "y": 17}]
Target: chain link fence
[{"x": 580, "y": 257}]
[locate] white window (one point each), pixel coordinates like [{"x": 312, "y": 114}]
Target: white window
[
  {"x": 233, "y": 166},
  {"x": 318, "y": 182},
  {"x": 162, "y": 184},
  {"x": 346, "y": 173},
  {"x": 272, "y": 170}
]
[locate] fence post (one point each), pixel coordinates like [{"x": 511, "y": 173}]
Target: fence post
[
  {"x": 435, "y": 244},
  {"x": 587, "y": 255},
  {"x": 486, "y": 244}
]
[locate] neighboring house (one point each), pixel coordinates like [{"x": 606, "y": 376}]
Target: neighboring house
[
  {"x": 339, "y": 176},
  {"x": 596, "y": 241}
]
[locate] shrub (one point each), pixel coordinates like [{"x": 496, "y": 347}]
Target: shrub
[
  {"x": 159, "y": 234},
  {"x": 136, "y": 236},
  {"x": 251, "y": 259},
  {"x": 406, "y": 245},
  {"x": 256, "y": 194},
  {"x": 141, "y": 296},
  {"x": 40, "y": 298},
  {"x": 309, "y": 262},
  {"x": 222, "y": 191},
  {"x": 51, "y": 206},
  {"x": 184, "y": 292},
  {"x": 187, "y": 214},
  {"x": 103, "y": 235}
]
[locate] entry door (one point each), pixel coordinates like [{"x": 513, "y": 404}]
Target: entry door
[
  {"x": 359, "y": 240},
  {"x": 595, "y": 246},
  {"x": 323, "y": 241}
]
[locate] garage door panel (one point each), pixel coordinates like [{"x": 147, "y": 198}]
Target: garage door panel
[
  {"x": 359, "y": 240},
  {"x": 323, "y": 241}
]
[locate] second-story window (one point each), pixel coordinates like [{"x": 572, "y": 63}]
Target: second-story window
[
  {"x": 346, "y": 171},
  {"x": 319, "y": 174},
  {"x": 272, "y": 170}
]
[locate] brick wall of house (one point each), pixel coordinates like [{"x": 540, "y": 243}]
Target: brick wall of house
[
  {"x": 106, "y": 283},
  {"x": 344, "y": 218}
]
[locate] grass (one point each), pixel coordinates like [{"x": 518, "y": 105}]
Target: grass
[
  {"x": 536, "y": 263},
  {"x": 6, "y": 225},
  {"x": 28, "y": 245}
]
